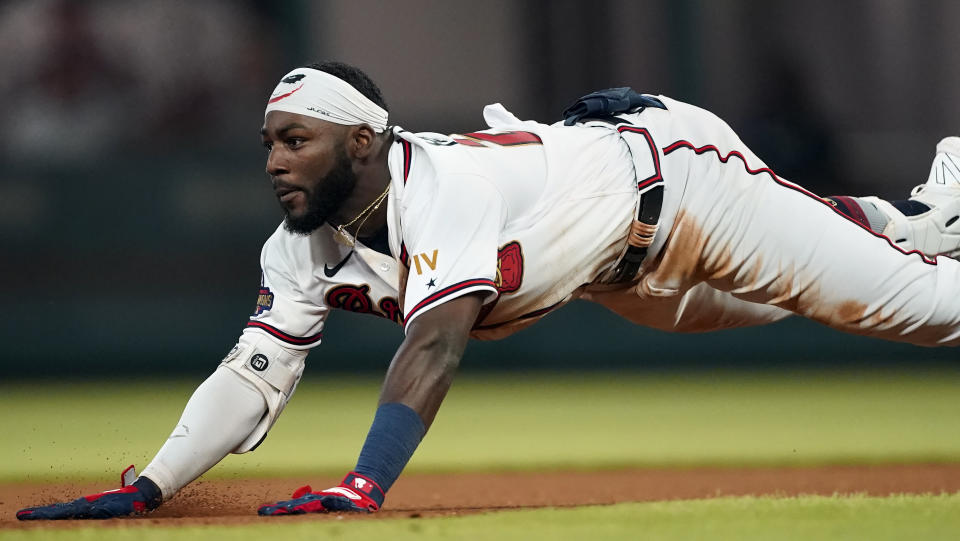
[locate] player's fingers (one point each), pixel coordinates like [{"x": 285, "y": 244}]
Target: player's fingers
[
  {"x": 56, "y": 511},
  {"x": 311, "y": 503}
]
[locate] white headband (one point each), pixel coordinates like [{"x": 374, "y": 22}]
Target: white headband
[{"x": 315, "y": 93}]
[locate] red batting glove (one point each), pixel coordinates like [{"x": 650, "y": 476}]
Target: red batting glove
[
  {"x": 134, "y": 498},
  {"x": 354, "y": 493}
]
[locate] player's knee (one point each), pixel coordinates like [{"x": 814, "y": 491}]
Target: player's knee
[{"x": 273, "y": 370}]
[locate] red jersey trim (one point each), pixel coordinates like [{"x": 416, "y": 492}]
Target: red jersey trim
[
  {"x": 507, "y": 139},
  {"x": 446, "y": 292},
  {"x": 657, "y": 177},
  {"x": 407, "y": 158},
  {"x": 766, "y": 170},
  {"x": 288, "y": 338}
]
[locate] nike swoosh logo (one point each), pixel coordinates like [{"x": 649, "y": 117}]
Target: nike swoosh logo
[
  {"x": 281, "y": 96},
  {"x": 331, "y": 272}
]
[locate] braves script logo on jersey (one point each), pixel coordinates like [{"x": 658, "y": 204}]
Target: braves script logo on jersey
[
  {"x": 390, "y": 309},
  {"x": 356, "y": 298},
  {"x": 264, "y": 301},
  {"x": 509, "y": 267}
]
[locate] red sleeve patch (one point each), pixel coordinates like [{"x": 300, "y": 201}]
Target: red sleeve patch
[{"x": 509, "y": 267}]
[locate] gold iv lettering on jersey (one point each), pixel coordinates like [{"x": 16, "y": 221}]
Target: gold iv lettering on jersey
[{"x": 428, "y": 261}]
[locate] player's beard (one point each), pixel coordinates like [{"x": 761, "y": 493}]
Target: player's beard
[{"x": 325, "y": 198}]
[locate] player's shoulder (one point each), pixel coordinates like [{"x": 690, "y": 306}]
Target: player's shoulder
[
  {"x": 458, "y": 152},
  {"x": 415, "y": 162},
  {"x": 424, "y": 154},
  {"x": 282, "y": 243},
  {"x": 429, "y": 164}
]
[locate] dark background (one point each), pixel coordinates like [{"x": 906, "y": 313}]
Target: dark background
[{"x": 133, "y": 201}]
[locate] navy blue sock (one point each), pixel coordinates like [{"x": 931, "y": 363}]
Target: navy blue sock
[
  {"x": 150, "y": 491},
  {"x": 394, "y": 436},
  {"x": 910, "y": 208}
]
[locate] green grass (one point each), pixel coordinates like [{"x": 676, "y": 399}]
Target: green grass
[
  {"x": 929, "y": 518},
  {"x": 92, "y": 430}
]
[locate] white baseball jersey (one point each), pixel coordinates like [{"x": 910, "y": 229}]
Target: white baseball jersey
[
  {"x": 532, "y": 215},
  {"x": 525, "y": 213}
]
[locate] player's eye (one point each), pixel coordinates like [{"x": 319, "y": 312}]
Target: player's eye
[
  {"x": 267, "y": 145},
  {"x": 294, "y": 142}
]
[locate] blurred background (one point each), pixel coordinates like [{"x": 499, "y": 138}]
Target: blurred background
[{"x": 133, "y": 202}]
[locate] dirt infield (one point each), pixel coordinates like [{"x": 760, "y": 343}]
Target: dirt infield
[{"x": 236, "y": 501}]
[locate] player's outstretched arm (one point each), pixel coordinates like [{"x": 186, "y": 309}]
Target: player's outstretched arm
[
  {"x": 416, "y": 383},
  {"x": 222, "y": 412},
  {"x": 423, "y": 368}
]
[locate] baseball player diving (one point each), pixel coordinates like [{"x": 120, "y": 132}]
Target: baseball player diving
[{"x": 651, "y": 207}]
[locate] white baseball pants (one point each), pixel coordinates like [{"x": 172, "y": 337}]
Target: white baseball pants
[{"x": 740, "y": 246}]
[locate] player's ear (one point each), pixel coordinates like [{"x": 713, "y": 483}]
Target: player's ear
[{"x": 360, "y": 141}]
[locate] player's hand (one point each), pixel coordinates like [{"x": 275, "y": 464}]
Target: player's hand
[
  {"x": 112, "y": 503},
  {"x": 355, "y": 493},
  {"x": 137, "y": 496}
]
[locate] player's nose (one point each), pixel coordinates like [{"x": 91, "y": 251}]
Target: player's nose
[{"x": 276, "y": 166}]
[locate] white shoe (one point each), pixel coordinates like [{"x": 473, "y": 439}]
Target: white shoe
[{"x": 937, "y": 231}]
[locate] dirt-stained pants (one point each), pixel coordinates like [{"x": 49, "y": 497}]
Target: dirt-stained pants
[{"x": 742, "y": 246}]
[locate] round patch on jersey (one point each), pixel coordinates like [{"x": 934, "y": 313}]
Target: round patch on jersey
[{"x": 259, "y": 362}]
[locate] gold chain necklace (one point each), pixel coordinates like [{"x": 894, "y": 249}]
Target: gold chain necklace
[{"x": 343, "y": 237}]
